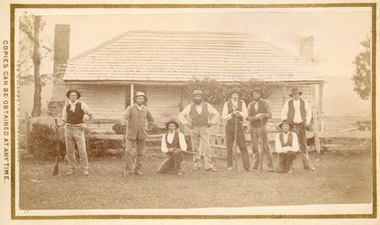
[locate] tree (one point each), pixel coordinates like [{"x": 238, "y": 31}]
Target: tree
[
  {"x": 362, "y": 76},
  {"x": 31, "y": 57},
  {"x": 216, "y": 92}
]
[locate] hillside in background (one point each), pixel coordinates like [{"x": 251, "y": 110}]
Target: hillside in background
[{"x": 339, "y": 99}]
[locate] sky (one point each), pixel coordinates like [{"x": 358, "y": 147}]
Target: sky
[{"x": 336, "y": 31}]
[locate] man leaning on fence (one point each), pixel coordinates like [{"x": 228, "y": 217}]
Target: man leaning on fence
[
  {"x": 136, "y": 117},
  {"x": 203, "y": 116},
  {"x": 72, "y": 116},
  {"x": 259, "y": 112},
  {"x": 234, "y": 113},
  {"x": 297, "y": 111}
]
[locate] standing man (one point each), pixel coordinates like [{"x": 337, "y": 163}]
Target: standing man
[
  {"x": 136, "y": 117},
  {"x": 297, "y": 111},
  {"x": 286, "y": 144},
  {"x": 235, "y": 111},
  {"x": 259, "y": 112},
  {"x": 172, "y": 144},
  {"x": 72, "y": 117},
  {"x": 203, "y": 116}
]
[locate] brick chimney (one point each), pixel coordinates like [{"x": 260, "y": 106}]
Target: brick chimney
[
  {"x": 306, "y": 48},
  {"x": 61, "y": 55}
]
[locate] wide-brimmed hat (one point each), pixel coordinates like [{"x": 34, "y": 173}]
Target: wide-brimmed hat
[
  {"x": 140, "y": 93},
  {"x": 235, "y": 90},
  {"x": 197, "y": 92},
  {"x": 257, "y": 89},
  {"x": 172, "y": 121},
  {"x": 286, "y": 122},
  {"x": 70, "y": 91},
  {"x": 295, "y": 91}
]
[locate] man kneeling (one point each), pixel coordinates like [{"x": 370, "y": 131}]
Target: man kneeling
[
  {"x": 172, "y": 144},
  {"x": 286, "y": 145}
]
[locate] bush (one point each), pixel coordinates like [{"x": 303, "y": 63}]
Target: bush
[
  {"x": 42, "y": 141},
  {"x": 118, "y": 128}
]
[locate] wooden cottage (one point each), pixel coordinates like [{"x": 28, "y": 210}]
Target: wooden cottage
[{"x": 160, "y": 63}]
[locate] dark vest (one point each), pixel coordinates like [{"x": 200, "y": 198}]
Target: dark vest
[
  {"x": 291, "y": 110},
  {"x": 260, "y": 109},
  {"x": 75, "y": 117},
  {"x": 199, "y": 119},
  {"x": 175, "y": 143},
  {"x": 290, "y": 139},
  {"x": 230, "y": 110}
]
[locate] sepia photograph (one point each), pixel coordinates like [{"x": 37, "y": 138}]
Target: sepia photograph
[{"x": 191, "y": 111}]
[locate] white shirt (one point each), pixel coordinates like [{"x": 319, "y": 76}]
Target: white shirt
[
  {"x": 182, "y": 141},
  {"x": 243, "y": 113},
  {"x": 297, "y": 111},
  {"x": 294, "y": 147},
  {"x": 186, "y": 111}
]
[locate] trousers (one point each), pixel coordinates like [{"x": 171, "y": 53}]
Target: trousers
[
  {"x": 255, "y": 136},
  {"x": 240, "y": 139},
  {"x": 75, "y": 135},
  {"x": 285, "y": 161},
  {"x": 200, "y": 135},
  {"x": 300, "y": 130},
  {"x": 140, "y": 151},
  {"x": 171, "y": 163}
]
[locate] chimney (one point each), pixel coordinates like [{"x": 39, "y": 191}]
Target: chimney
[
  {"x": 61, "y": 55},
  {"x": 306, "y": 48}
]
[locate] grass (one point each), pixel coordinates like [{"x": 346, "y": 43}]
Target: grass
[{"x": 339, "y": 179}]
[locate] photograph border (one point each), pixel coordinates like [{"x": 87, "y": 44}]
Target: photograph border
[{"x": 14, "y": 7}]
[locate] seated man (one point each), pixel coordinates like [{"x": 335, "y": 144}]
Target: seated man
[
  {"x": 172, "y": 144},
  {"x": 286, "y": 146}
]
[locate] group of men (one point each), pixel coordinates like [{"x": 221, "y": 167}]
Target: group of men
[{"x": 198, "y": 117}]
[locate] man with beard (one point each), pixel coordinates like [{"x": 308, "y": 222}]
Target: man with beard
[
  {"x": 136, "y": 117},
  {"x": 203, "y": 116},
  {"x": 234, "y": 113},
  {"x": 297, "y": 111},
  {"x": 259, "y": 112}
]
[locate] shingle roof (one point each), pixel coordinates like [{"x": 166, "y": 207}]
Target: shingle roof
[{"x": 180, "y": 56}]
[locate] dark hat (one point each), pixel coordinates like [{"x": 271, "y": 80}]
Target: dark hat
[
  {"x": 286, "y": 122},
  {"x": 197, "y": 92},
  {"x": 140, "y": 93},
  {"x": 72, "y": 90},
  {"x": 235, "y": 90},
  {"x": 295, "y": 91},
  {"x": 257, "y": 89},
  {"x": 172, "y": 121}
]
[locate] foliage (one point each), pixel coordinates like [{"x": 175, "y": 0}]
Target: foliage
[
  {"x": 118, "y": 129},
  {"x": 98, "y": 146},
  {"x": 26, "y": 40},
  {"x": 31, "y": 56},
  {"x": 216, "y": 92},
  {"x": 42, "y": 141},
  {"x": 362, "y": 77}
]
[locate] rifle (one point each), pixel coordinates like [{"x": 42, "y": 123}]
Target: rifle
[
  {"x": 124, "y": 151},
  {"x": 235, "y": 146},
  {"x": 56, "y": 167},
  {"x": 262, "y": 147}
]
